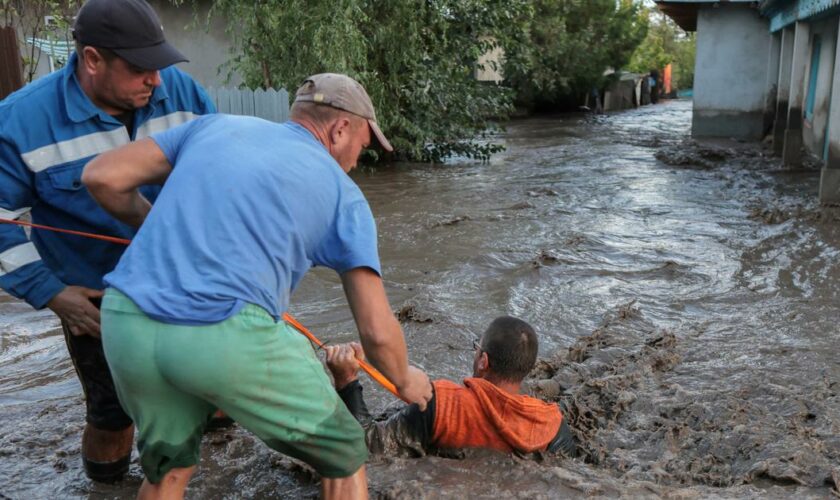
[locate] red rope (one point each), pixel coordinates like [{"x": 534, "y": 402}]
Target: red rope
[{"x": 112, "y": 239}]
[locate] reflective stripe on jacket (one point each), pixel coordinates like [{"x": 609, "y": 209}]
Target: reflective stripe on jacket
[{"x": 49, "y": 130}]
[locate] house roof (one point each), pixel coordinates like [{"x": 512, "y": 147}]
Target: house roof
[
  {"x": 781, "y": 13},
  {"x": 785, "y": 12},
  {"x": 684, "y": 12}
]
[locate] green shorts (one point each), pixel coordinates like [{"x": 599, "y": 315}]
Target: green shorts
[{"x": 265, "y": 375}]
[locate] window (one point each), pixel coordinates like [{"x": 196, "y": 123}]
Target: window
[{"x": 812, "y": 80}]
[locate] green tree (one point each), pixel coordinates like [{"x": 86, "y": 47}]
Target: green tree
[
  {"x": 573, "y": 43},
  {"x": 45, "y": 19},
  {"x": 416, "y": 58},
  {"x": 666, "y": 43}
]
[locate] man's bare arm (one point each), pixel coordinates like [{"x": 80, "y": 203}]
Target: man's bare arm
[
  {"x": 381, "y": 334},
  {"x": 113, "y": 179}
]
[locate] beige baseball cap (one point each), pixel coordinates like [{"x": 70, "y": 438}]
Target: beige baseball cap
[{"x": 344, "y": 93}]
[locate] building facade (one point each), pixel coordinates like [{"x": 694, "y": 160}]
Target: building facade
[
  {"x": 208, "y": 47},
  {"x": 769, "y": 68}
]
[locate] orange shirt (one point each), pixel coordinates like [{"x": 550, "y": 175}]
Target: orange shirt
[{"x": 480, "y": 415}]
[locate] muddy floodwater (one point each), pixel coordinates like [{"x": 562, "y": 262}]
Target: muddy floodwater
[{"x": 686, "y": 296}]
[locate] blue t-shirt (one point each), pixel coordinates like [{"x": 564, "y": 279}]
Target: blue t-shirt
[{"x": 249, "y": 208}]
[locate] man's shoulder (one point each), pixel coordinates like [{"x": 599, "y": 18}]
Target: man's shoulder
[
  {"x": 176, "y": 76},
  {"x": 184, "y": 92},
  {"x": 39, "y": 98},
  {"x": 236, "y": 122},
  {"x": 443, "y": 384}
]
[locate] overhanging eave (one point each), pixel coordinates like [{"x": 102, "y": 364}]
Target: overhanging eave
[{"x": 684, "y": 12}]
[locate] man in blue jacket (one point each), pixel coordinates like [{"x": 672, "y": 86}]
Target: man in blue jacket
[{"x": 118, "y": 87}]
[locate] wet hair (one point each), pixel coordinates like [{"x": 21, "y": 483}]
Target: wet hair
[
  {"x": 322, "y": 114},
  {"x": 511, "y": 346}
]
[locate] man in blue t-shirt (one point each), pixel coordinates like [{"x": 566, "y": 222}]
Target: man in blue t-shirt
[{"x": 193, "y": 316}]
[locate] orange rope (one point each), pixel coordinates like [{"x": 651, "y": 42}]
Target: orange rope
[
  {"x": 112, "y": 239},
  {"x": 370, "y": 370}
]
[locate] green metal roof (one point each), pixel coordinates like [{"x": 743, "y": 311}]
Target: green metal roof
[
  {"x": 684, "y": 12},
  {"x": 785, "y": 12}
]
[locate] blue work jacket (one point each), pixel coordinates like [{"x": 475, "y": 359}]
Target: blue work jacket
[{"x": 49, "y": 130}]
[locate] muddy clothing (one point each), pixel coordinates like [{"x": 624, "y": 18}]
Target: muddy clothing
[
  {"x": 263, "y": 374},
  {"x": 476, "y": 415},
  {"x": 101, "y": 402}
]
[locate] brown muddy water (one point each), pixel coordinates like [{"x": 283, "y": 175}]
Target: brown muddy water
[{"x": 686, "y": 296}]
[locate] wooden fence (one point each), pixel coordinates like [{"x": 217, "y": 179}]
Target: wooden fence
[
  {"x": 11, "y": 78},
  {"x": 269, "y": 104}
]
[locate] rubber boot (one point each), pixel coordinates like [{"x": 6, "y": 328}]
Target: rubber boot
[{"x": 106, "y": 454}]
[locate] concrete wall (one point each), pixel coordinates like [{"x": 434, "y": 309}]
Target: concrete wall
[
  {"x": 830, "y": 176},
  {"x": 783, "y": 90},
  {"x": 489, "y": 66},
  {"x": 207, "y": 50},
  {"x": 792, "y": 150},
  {"x": 772, "y": 83},
  {"x": 727, "y": 102},
  {"x": 813, "y": 130}
]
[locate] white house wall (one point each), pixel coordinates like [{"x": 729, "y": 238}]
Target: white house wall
[
  {"x": 792, "y": 150},
  {"x": 783, "y": 90},
  {"x": 830, "y": 175},
  {"x": 727, "y": 103},
  {"x": 772, "y": 82}
]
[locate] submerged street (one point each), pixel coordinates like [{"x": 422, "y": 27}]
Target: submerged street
[{"x": 685, "y": 295}]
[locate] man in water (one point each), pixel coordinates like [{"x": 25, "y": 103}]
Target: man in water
[
  {"x": 488, "y": 411},
  {"x": 192, "y": 318},
  {"x": 117, "y": 87}
]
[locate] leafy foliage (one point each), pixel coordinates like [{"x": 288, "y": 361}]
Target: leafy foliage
[
  {"x": 28, "y": 17},
  {"x": 666, "y": 43},
  {"x": 573, "y": 42},
  {"x": 416, "y": 58}
]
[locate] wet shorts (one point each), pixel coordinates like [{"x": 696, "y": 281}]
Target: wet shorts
[
  {"x": 103, "y": 407},
  {"x": 264, "y": 375}
]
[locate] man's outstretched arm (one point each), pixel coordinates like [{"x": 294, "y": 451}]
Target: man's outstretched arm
[
  {"x": 564, "y": 441},
  {"x": 382, "y": 336},
  {"x": 407, "y": 431}
]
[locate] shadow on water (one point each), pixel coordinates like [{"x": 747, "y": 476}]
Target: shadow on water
[{"x": 685, "y": 294}]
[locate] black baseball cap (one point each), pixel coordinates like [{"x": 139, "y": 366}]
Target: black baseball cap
[{"x": 129, "y": 28}]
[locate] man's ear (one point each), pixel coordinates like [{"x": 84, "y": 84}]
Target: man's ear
[
  {"x": 91, "y": 60},
  {"x": 484, "y": 362},
  {"x": 340, "y": 130}
]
